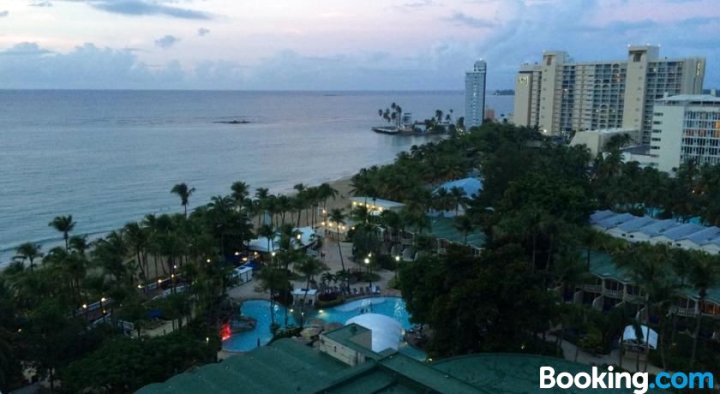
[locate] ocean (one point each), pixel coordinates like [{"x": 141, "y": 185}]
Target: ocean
[{"x": 110, "y": 157}]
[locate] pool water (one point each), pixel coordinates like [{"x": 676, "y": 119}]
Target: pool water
[
  {"x": 389, "y": 306},
  {"x": 261, "y": 335},
  {"x": 260, "y": 310}
]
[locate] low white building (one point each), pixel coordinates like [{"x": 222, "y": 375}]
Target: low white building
[
  {"x": 673, "y": 236},
  {"x": 595, "y": 140},
  {"x": 643, "y": 234}
]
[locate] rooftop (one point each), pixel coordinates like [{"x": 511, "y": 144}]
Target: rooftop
[
  {"x": 284, "y": 366},
  {"x": 690, "y": 99},
  {"x": 288, "y": 366},
  {"x": 444, "y": 228},
  {"x": 376, "y": 203}
]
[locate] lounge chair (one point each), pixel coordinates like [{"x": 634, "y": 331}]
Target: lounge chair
[
  {"x": 377, "y": 289},
  {"x": 355, "y": 290},
  {"x": 362, "y": 291}
]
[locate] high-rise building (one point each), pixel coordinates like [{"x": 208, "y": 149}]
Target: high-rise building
[
  {"x": 684, "y": 128},
  {"x": 475, "y": 94},
  {"x": 560, "y": 95}
]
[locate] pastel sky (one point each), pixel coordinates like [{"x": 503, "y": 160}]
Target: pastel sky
[{"x": 329, "y": 44}]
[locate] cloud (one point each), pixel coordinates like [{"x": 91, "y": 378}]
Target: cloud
[
  {"x": 147, "y": 7},
  {"x": 4, "y": 13},
  {"x": 25, "y": 49},
  {"x": 461, "y": 19},
  {"x": 419, "y": 4},
  {"x": 203, "y": 32},
  {"x": 85, "y": 67},
  {"x": 166, "y": 42},
  {"x": 41, "y": 3}
]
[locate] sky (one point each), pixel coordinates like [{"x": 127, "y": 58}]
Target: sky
[{"x": 329, "y": 44}]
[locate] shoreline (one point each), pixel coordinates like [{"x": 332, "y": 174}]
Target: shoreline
[{"x": 341, "y": 184}]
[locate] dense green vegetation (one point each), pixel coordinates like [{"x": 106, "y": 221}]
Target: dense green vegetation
[
  {"x": 534, "y": 210},
  {"x": 60, "y": 309}
]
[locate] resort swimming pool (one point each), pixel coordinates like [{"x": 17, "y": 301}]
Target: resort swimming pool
[
  {"x": 261, "y": 335},
  {"x": 260, "y": 310}
]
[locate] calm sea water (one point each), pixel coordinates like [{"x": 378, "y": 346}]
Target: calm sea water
[{"x": 110, "y": 157}]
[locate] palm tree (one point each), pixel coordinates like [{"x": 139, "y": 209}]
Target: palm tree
[
  {"x": 704, "y": 274},
  {"x": 137, "y": 237},
  {"x": 65, "y": 225},
  {"x": 184, "y": 192},
  {"x": 326, "y": 192},
  {"x": 272, "y": 279},
  {"x": 29, "y": 251},
  {"x": 337, "y": 216},
  {"x": 240, "y": 191},
  {"x": 465, "y": 225},
  {"x": 458, "y": 197},
  {"x": 78, "y": 243},
  {"x": 309, "y": 266}
]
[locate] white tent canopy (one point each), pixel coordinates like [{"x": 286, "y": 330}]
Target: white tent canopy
[
  {"x": 260, "y": 244},
  {"x": 386, "y": 331},
  {"x": 650, "y": 337}
]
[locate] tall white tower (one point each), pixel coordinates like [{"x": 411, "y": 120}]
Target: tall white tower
[{"x": 475, "y": 95}]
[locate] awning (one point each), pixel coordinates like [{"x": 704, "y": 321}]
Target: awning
[{"x": 650, "y": 337}]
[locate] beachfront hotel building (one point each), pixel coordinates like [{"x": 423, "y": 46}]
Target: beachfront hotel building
[
  {"x": 475, "y": 94},
  {"x": 685, "y": 128},
  {"x": 560, "y": 95}
]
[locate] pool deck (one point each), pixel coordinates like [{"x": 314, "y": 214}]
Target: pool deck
[{"x": 332, "y": 259}]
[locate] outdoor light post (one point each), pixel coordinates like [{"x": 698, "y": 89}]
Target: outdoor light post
[
  {"x": 397, "y": 265},
  {"x": 367, "y": 263}
]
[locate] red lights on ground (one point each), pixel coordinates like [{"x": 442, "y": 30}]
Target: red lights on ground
[{"x": 225, "y": 331}]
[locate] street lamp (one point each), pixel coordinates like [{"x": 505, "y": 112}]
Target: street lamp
[
  {"x": 397, "y": 265},
  {"x": 367, "y": 263}
]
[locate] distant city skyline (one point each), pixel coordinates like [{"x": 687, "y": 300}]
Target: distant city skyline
[{"x": 329, "y": 44}]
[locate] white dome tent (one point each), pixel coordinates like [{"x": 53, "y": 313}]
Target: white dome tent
[{"x": 386, "y": 331}]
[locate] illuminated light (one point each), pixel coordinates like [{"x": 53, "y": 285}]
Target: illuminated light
[
  {"x": 244, "y": 259},
  {"x": 207, "y": 339},
  {"x": 367, "y": 260},
  {"x": 299, "y": 236},
  {"x": 172, "y": 276},
  {"x": 84, "y": 306},
  {"x": 322, "y": 311},
  {"x": 19, "y": 330},
  {"x": 174, "y": 266},
  {"x": 273, "y": 254},
  {"x": 237, "y": 253},
  {"x": 102, "y": 299},
  {"x": 397, "y": 258},
  {"x": 208, "y": 260},
  {"x": 139, "y": 286},
  {"x": 104, "y": 312},
  {"x": 292, "y": 310},
  {"x": 225, "y": 331},
  {"x": 159, "y": 281},
  {"x": 322, "y": 223}
]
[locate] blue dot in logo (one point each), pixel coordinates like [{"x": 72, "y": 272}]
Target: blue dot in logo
[{"x": 652, "y": 385}]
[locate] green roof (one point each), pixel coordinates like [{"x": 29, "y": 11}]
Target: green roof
[
  {"x": 444, "y": 228},
  {"x": 603, "y": 265},
  {"x": 512, "y": 373},
  {"x": 284, "y": 366}
]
